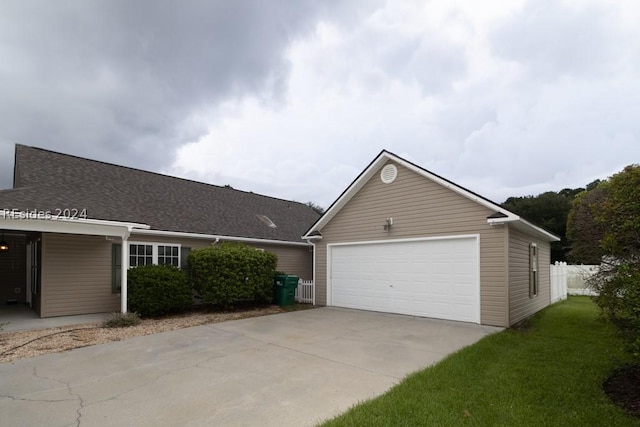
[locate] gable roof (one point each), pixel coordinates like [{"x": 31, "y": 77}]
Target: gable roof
[
  {"x": 500, "y": 216},
  {"x": 46, "y": 180}
]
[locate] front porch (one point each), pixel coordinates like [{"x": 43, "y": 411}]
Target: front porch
[
  {"x": 60, "y": 267},
  {"x": 20, "y": 317}
]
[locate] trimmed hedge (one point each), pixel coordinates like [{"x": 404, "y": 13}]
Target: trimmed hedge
[
  {"x": 229, "y": 273},
  {"x": 154, "y": 290}
]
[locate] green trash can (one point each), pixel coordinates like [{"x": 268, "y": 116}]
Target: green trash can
[{"x": 284, "y": 289}]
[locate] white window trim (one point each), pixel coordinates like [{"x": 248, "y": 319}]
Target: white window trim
[
  {"x": 534, "y": 273},
  {"x": 154, "y": 251}
]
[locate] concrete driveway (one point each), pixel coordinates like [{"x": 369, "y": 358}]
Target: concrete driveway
[{"x": 297, "y": 368}]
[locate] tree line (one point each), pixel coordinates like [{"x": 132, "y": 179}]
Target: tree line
[
  {"x": 599, "y": 224},
  {"x": 551, "y": 210}
]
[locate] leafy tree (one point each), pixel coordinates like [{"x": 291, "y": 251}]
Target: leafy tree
[
  {"x": 548, "y": 210},
  {"x": 618, "y": 281},
  {"x": 584, "y": 230},
  {"x": 617, "y": 287},
  {"x": 620, "y": 214},
  {"x": 593, "y": 184},
  {"x": 319, "y": 209},
  {"x": 570, "y": 193}
]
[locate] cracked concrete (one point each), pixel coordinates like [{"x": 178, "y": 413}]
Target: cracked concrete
[{"x": 296, "y": 368}]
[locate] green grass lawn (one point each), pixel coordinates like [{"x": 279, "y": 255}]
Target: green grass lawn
[{"x": 547, "y": 374}]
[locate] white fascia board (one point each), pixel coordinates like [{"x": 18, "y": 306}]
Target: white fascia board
[
  {"x": 214, "y": 237},
  {"x": 69, "y": 226},
  {"x": 130, "y": 225},
  {"x": 524, "y": 224},
  {"x": 498, "y": 221},
  {"x": 526, "y": 227}
]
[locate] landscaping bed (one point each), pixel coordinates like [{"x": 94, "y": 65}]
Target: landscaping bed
[{"x": 623, "y": 388}]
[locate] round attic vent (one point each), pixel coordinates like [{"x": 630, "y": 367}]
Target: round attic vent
[{"x": 389, "y": 174}]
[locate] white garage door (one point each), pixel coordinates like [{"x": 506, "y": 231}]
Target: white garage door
[{"x": 429, "y": 278}]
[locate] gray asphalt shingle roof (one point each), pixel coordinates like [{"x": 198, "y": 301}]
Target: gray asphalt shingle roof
[{"x": 46, "y": 180}]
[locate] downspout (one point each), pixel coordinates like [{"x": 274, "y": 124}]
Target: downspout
[
  {"x": 124, "y": 268},
  {"x": 313, "y": 273}
]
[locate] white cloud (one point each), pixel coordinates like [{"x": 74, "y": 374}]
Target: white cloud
[
  {"x": 504, "y": 97},
  {"x": 511, "y": 99}
]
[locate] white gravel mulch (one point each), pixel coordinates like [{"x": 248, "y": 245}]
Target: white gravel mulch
[{"x": 23, "y": 344}]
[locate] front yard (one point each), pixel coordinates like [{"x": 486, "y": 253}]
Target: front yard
[{"x": 548, "y": 372}]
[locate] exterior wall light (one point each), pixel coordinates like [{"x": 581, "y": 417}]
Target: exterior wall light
[{"x": 4, "y": 246}]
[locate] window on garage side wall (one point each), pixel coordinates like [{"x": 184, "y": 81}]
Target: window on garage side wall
[{"x": 533, "y": 270}]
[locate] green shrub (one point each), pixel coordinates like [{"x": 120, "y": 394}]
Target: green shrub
[
  {"x": 154, "y": 290},
  {"x": 122, "y": 320},
  {"x": 618, "y": 295},
  {"x": 229, "y": 273}
]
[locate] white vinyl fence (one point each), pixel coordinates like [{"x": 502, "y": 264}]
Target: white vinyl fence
[
  {"x": 558, "y": 281},
  {"x": 304, "y": 291},
  {"x": 577, "y": 276}
]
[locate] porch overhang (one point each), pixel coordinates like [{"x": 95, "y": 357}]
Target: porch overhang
[
  {"x": 43, "y": 222},
  {"x": 10, "y": 220}
]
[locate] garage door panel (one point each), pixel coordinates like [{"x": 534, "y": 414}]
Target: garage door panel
[{"x": 430, "y": 278}]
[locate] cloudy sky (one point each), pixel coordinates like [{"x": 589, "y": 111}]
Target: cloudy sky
[{"x": 294, "y": 98}]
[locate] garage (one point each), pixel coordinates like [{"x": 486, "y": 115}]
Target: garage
[
  {"x": 401, "y": 239},
  {"x": 436, "y": 277}
]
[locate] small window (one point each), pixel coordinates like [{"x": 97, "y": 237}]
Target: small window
[
  {"x": 140, "y": 255},
  {"x": 116, "y": 268},
  {"x": 184, "y": 258},
  {"x": 533, "y": 270},
  {"x": 168, "y": 255},
  {"x": 145, "y": 254}
]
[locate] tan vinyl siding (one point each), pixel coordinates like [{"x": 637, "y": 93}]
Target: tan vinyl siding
[
  {"x": 521, "y": 305},
  {"x": 76, "y": 270},
  {"x": 420, "y": 208},
  {"x": 292, "y": 259},
  {"x": 76, "y": 275}
]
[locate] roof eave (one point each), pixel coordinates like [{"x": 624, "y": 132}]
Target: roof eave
[
  {"x": 47, "y": 224},
  {"x": 312, "y": 237},
  {"x": 183, "y": 234},
  {"x": 526, "y": 227},
  {"x": 384, "y": 156}
]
